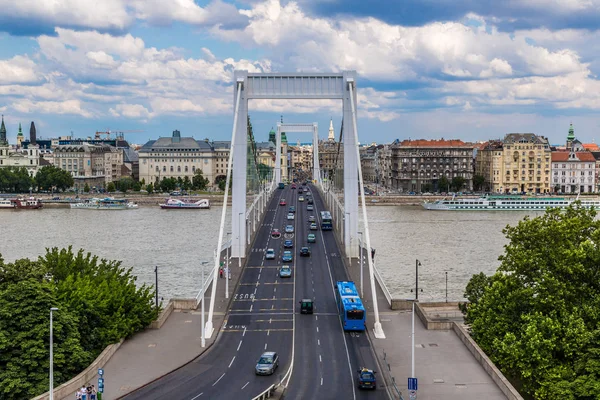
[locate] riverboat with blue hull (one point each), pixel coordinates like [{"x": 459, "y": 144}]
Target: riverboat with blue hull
[
  {"x": 176, "y": 204},
  {"x": 108, "y": 203},
  {"x": 507, "y": 203}
]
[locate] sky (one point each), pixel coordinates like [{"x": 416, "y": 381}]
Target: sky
[{"x": 427, "y": 69}]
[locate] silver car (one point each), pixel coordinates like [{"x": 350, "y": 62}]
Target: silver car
[{"x": 267, "y": 363}]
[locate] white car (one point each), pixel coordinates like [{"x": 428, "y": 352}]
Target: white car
[
  {"x": 270, "y": 254},
  {"x": 290, "y": 216}
]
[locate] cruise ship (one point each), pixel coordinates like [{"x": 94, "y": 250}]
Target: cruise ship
[
  {"x": 507, "y": 203},
  {"x": 108, "y": 203}
]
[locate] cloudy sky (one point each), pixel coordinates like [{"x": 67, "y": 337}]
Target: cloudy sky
[{"x": 465, "y": 69}]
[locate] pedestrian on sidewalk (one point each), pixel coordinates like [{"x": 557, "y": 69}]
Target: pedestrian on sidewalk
[
  {"x": 78, "y": 394},
  {"x": 220, "y": 272},
  {"x": 83, "y": 393},
  {"x": 93, "y": 395}
]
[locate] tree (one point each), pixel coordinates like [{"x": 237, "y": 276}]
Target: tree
[
  {"x": 150, "y": 188},
  {"x": 15, "y": 180},
  {"x": 137, "y": 186},
  {"x": 50, "y": 176},
  {"x": 86, "y": 188},
  {"x": 168, "y": 184},
  {"x": 443, "y": 184},
  {"x": 220, "y": 181},
  {"x": 125, "y": 184},
  {"x": 187, "y": 184},
  {"x": 426, "y": 187},
  {"x": 537, "y": 317},
  {"x": 478, "y": 182},
  {"x": 264, "y": 171},
  {"x": 110, "y": 187},
  {"x": 457, "y": 183},
  {"x": 199, "y": 182}
]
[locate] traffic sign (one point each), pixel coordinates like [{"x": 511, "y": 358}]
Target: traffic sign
[
  {"x": 412, "y": 395},
  {"x": 412, "y": 384},
  {"x": 100, "y": 371},
  {"x": 100, "y": 381}
]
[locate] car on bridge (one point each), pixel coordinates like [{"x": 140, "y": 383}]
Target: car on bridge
[
  {"x": 310, "y": 207},
  {"x": 275, "y": 234},
  {"x": 288, "y": 244},
  {"x": 293, "y": 186},
  {"x": 287, "y": 256},
  {"x": 306, "y": 306},
  {"x": 313, "y": 227},
  {"x": 309, "y": 200},
  {"x": 267, "y": 363},
  {"x": 270, "y": 254},
  {"x": 282, "y": 202},
  {"x": 311, "y": 238},
  {"x": 366, "y": 379},
  {"x": 292, "y": 209},
  {"x": 304, "y": 252},
  {"x": 289, "y": 229},
  {"x": 301, "y": 198},
  {"x": 290, "y": 216},
  {"x": 285, "y": 271},
  {"x": 311, "y": 218}
]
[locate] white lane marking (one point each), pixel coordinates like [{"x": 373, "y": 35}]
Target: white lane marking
[
  {"x": 193, "y": 398},
  {"x": 265, "y": 346},
  {"x": 274, "y": 289},
  {"x": 319, "y": 342},
  {"x": 243, "y": 334},
  {"x": 232, "y": 362},
  {"x": 273, "y": 297},
  {"x": 243, "y": 386},
  {"x": 268, "y": 332},
  {"x": 316, "y": 317},
  {"x": 321, "y": 381},
  {"x": 320, "y": 360},
  {"x": 251, "y": 305},
  {"x": 256, "y": 284},
  {"x": 255, "y": 289},
  {"x": 217, "y": 381},
  {"x": 239, "y": 345},
  {"x": 317, "y": 329},
  {"x": 270, "y": 320}
]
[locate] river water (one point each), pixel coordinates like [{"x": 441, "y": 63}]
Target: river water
[{"x": 460, "y": 243}]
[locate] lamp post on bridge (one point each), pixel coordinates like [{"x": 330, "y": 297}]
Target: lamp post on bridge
[
  {"x": 203, "y": 339},
  {"x": 361, "y": 263},
  {"x": 227, "y": 268},
  {"x": 240, "y": 240},
  {"x": 51, "y": 397}
]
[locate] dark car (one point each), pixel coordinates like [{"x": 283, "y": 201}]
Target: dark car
[
  {"x": 366, "y": 379},
  {"x": 288, "y": 244},
  {"x": 306, "y": 306},
  {"x": 287, "y": 256},
  {"x": 267, "y": 363},
  {"x": 309, "y": 200},
  {"x": 292, "y": 209},
  {"x": 304, "y": 252}
]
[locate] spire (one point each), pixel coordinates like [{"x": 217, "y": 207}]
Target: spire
[
  {"x": 20, "y": 133},
  {"x": 32, "y": 134},
  {"x": 571, "y": 135},
  {"x": 3, "y": 141},
  {"x": 331, "y": 136}
]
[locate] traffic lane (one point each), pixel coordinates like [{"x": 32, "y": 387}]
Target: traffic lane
[
  {"x": 306, "y": 376},
  {"x": 361, "y": 355}
]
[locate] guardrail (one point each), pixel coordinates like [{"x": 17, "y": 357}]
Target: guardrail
[
  {"x": 266, "y": 394},
  {"x": 384, "y": 289},
  {"x": 394, "y": 387}
]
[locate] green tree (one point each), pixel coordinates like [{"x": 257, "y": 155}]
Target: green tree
[
  {"x": 478, "y": 182},
  {"x": 168, "y": 184},
  {"x": 187, "y": 183},
  {"x": 220, "y": 181},
  {"x": 199, "y": 182},
  {"x": 457, "y": 183},
  {"x": 443, "y": 184},
  {"x": 137, "y": 186},
  {"x": 86, "y": 188},
  {"x": 110, "y": 187},
  {"x": 537, "y": 317},
  {"x": 49, "y": 177},
  {"x": 264, "y": 171},
  {"x": 150, "y": 188},
  {"x": 125, "y": 184}
]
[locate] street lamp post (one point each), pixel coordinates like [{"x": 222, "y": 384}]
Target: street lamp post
[
  {"x": 52, "y": 356},
  {"x": 240, "y": 240},
  {"x": 446, "y": 286},
  {"x": 361, "y": 264},
  {"x": 156, "y": 286},
  {"x": 227, "y": 270},
  {"x": 203, "y": 341},
  {"x": 417, "y": 279}
]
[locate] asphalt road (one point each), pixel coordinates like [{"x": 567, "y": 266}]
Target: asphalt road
[
  {"x": 326, "y": 358},
  {"x": 260, "y": 319}
]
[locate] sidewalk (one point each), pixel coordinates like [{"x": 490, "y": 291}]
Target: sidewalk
[
  {"x": 443, "y": 365},
  {"x": 155, "y": 352}
]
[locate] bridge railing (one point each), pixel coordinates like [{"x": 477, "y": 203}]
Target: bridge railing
[
  {"x": 266, "y": 394},
  {"x": 367, "y": 253}
]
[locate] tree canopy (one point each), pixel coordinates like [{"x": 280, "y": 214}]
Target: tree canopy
[
  {"x": 50, "y": 176},
  {"x": 538, "y": 316},
  {"x": 15, "y": 180},
  {"x": 98, "y": 304}
]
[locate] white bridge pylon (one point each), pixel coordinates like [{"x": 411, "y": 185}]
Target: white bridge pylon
[{"x": 301, "y": 128}]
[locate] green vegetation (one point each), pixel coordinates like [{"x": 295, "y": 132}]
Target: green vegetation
[
  {"x": 15, "y": 180},
  {"x": 50, "y": 177},
  {"x": 199, "y": 182},
  {"x": 478, "y": 182},
  {"x": 98, "y": 304},
  {"x": 538, "y": 317}
]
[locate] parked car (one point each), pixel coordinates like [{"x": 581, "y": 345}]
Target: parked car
[
  {"x": 311, "y": 238},
  {"x": 287, "y": 256},
  {"x": 288, "y": 244},
  {"x": 270, "y": 254},
  {"x": 285, "y": 271},
  {"x": 304, "y": 252},
  {"x": 267, "y": 363}
]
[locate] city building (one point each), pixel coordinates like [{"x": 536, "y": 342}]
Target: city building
[
  {"x": 574, "y": 169},
  {"x": 26, "y": 158},
  {"x": 220, "y": 159},
  {"x": 93, "y": 164},
  {"x": 418, "y": 165},
  {"x": 331, "y": 154},
  {"x": 176, "y": 156},
  {"x": 488, "y": 164},
  {"x": 368, "y": 163}
]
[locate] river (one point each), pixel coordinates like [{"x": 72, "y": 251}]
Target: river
[{"x": 460, "y": 243}]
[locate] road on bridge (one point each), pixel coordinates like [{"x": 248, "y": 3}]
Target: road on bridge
[{"x": 263, "y": 313}]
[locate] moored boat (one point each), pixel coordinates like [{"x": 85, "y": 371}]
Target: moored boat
[
  {"x": 507, "y": 203},
  {"x": 30, "y": 203},
  {"x": 7, "y": 203},
  {"x": 107, "y": 203},
  {"x": 176, "y": 204}
]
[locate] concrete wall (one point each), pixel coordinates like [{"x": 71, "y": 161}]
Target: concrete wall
[
  {"x": 85, "y": 377},
  {"x": 509, "y": 391},
  {"x": 163, "y": 316},
  {"x": 184, "y": 304}
]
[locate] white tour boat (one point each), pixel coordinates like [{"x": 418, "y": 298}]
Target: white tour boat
[
  {"x": 176, "y": 204},
  {"x": 507, "y": 203},
  {"x": 7, "y": 203},
  {"x": 108, "y": 203}
]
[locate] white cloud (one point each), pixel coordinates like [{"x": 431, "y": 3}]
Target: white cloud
[
  {"x": 51, "y": 107},
  {"x": 19, "y": 69},
  {"x": 130, "y": 111}
]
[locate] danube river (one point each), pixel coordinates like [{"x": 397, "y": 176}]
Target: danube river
[{"x": 460, "y": 243}]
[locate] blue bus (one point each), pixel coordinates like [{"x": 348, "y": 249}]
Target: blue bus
[
  {"x": 326, "y": 221},
  {"x": 350, "y": 307}
]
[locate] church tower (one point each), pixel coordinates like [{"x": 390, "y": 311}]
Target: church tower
[
  {"x": 20, "y": 137},
  {"x": 570, "y": 137},
  {"x": 331, "y": 136},
  {"x": 3, "y": 141}
]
